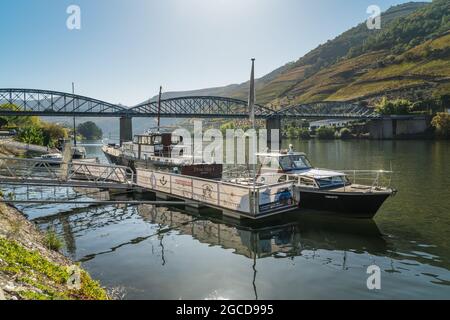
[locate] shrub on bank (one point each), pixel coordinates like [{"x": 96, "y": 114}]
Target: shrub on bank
[
  {"x": 325, "y": 133},
  {"x": 43, "y": 279},
  {"x": 52, "y": 241},
  {"x": 390, "y": 107},
  {"x": 441, "y": 122},
  {"x": 345, "y": 133},
  {"x": 304, "y": 134}
]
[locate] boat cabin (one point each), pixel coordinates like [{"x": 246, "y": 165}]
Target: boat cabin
[
  {"x": 284, "y": 161},
  {"x": 278, "y": 167},
  {"x": 153, "y": 144}
]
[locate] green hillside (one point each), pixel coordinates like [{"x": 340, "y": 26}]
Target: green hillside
[{"x": 408, "y": 57}]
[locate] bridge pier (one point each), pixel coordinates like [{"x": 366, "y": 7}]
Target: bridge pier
[
  {"x": 391, "y": 127},
  {"x": 126, "y": 129},
  {"x": 272, "y": 124}
]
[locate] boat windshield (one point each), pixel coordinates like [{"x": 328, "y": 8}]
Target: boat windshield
[
  {"x": 336, "y": 181},
  {"x": 294, "y": 162}
]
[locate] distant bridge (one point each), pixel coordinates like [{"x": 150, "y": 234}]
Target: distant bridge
[
  {"x": 33, "y": 102},
  {"x": 29, "y": 102}
]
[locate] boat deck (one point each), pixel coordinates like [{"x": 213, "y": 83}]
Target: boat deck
[{"x": 358, "y": 188}]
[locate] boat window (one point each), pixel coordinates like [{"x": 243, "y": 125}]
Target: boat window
[
  {"x": 300, "y": 162},
  {"x": 286, "y": 163},
  {"x": 332, "y": 181},
  {"x": 307, "y": 182},
  {"x": 176, "y": 139},
  {"x": 294, "y": 162},
  {"x": 157, "y": 140},
  {"x": 283, "y": 178}
]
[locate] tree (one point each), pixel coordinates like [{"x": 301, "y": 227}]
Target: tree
[
  {"x": 389, "y": 107},
  {"x": 441, "y": 122},
  {"x": 304, "y": 134},
  {"x": 52, "y": 132},
  {"x": 31, "y": 135},
  {"x": 325, "y": 133},
  {"x": 292, "y": 132},
  {"x": 3, "y": 122},
  {"x": 19, "y": 121},
  {"x": 89, "y": 130}
]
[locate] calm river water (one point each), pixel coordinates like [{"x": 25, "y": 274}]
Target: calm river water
[{"x": 169, "y": 253}]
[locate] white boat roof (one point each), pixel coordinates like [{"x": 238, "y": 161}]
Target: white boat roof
[
  {"x": 279, "y": 154},
  {"x": 319, "y": 173}
]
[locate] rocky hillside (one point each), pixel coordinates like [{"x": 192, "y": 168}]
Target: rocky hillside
[
  {"x": 408, "y": 57},
  {"x": 32, "y": 269}
]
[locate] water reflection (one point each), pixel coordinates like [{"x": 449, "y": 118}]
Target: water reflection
[
  {"x": 101, "y": 231},
  {"x": 280, "y": 238}
]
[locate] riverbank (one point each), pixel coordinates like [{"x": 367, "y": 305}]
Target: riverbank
[
  {"x": 31, "y": 270},
  {"x": 9, "y": 147}
]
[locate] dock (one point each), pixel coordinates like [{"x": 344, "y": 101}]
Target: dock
[{"x": 237, "y": 200}]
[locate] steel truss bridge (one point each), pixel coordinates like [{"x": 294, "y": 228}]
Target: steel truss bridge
[{"x": 28, "y": 102}]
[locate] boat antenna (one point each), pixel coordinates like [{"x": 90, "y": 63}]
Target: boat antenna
[
  {"x": 159, "y": 107},
  {"x": 73, "y": 109}
]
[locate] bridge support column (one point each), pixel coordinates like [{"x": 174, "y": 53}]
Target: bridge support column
[
  {"x": 273, "y": 126},
  {"x": 126, "y": 129}
]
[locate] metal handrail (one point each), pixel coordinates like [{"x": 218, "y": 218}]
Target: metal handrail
[{"x": 34, "y": 169}]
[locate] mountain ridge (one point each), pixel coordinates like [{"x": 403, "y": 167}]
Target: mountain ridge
[{"x": 347, "y": 60}]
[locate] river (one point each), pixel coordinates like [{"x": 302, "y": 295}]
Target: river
[{"x": 170, "y": 253}]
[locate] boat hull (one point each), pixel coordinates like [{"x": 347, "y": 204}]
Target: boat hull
[{"x": 360, "y": 205}]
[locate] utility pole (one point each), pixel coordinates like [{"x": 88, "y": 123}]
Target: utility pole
[
  {"x": 73, "y": 110},
  {"x": 159, "y": 107}
]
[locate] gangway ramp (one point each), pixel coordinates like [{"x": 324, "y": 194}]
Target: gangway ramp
[{"x": 41, "y": 172}]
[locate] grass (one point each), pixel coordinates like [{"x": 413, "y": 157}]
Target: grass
[
  {"x": 438, "y": 43},
  {"x": 31, "y": 268},
  {"x": 389, "y": 71},
  {"x": 16, "y": 226},
  {"x": 356, "y": 90},
  {"x": 436, "y": 67},
  {"x": 52, "y": 241}
]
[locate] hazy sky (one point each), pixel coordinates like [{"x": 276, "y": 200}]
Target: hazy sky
[{"x": 127, "y": 48}]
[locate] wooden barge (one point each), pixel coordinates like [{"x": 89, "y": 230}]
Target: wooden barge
[{"x": 238, "y": 200}]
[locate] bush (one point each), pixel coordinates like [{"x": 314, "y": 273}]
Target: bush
[
  {"x": 52, "y": 241},
  {"x": 345, "y": 133},
  {"x": 325, "y": 133},
  {"x": 390, "y": 107},
  {"x": 441, "y": 122},
  {"x": 292, "y": 132},
  {"x": 304, "y": 134},
  {"x": 52, "y": 132},
  {"x": 31, "y": 135}
]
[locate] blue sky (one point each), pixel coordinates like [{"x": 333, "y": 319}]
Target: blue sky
[{"x": 127, "y": 48}]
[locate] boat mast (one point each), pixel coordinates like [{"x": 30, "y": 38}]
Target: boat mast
[
  {"x": 159, "y": 107},
  {"x": 251, "y": 107}
]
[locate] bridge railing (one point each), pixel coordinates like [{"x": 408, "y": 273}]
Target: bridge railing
[{"x": 39, "y": 170}]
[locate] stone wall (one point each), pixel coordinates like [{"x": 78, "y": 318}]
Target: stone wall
[{"x": 398, "y": 126}]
